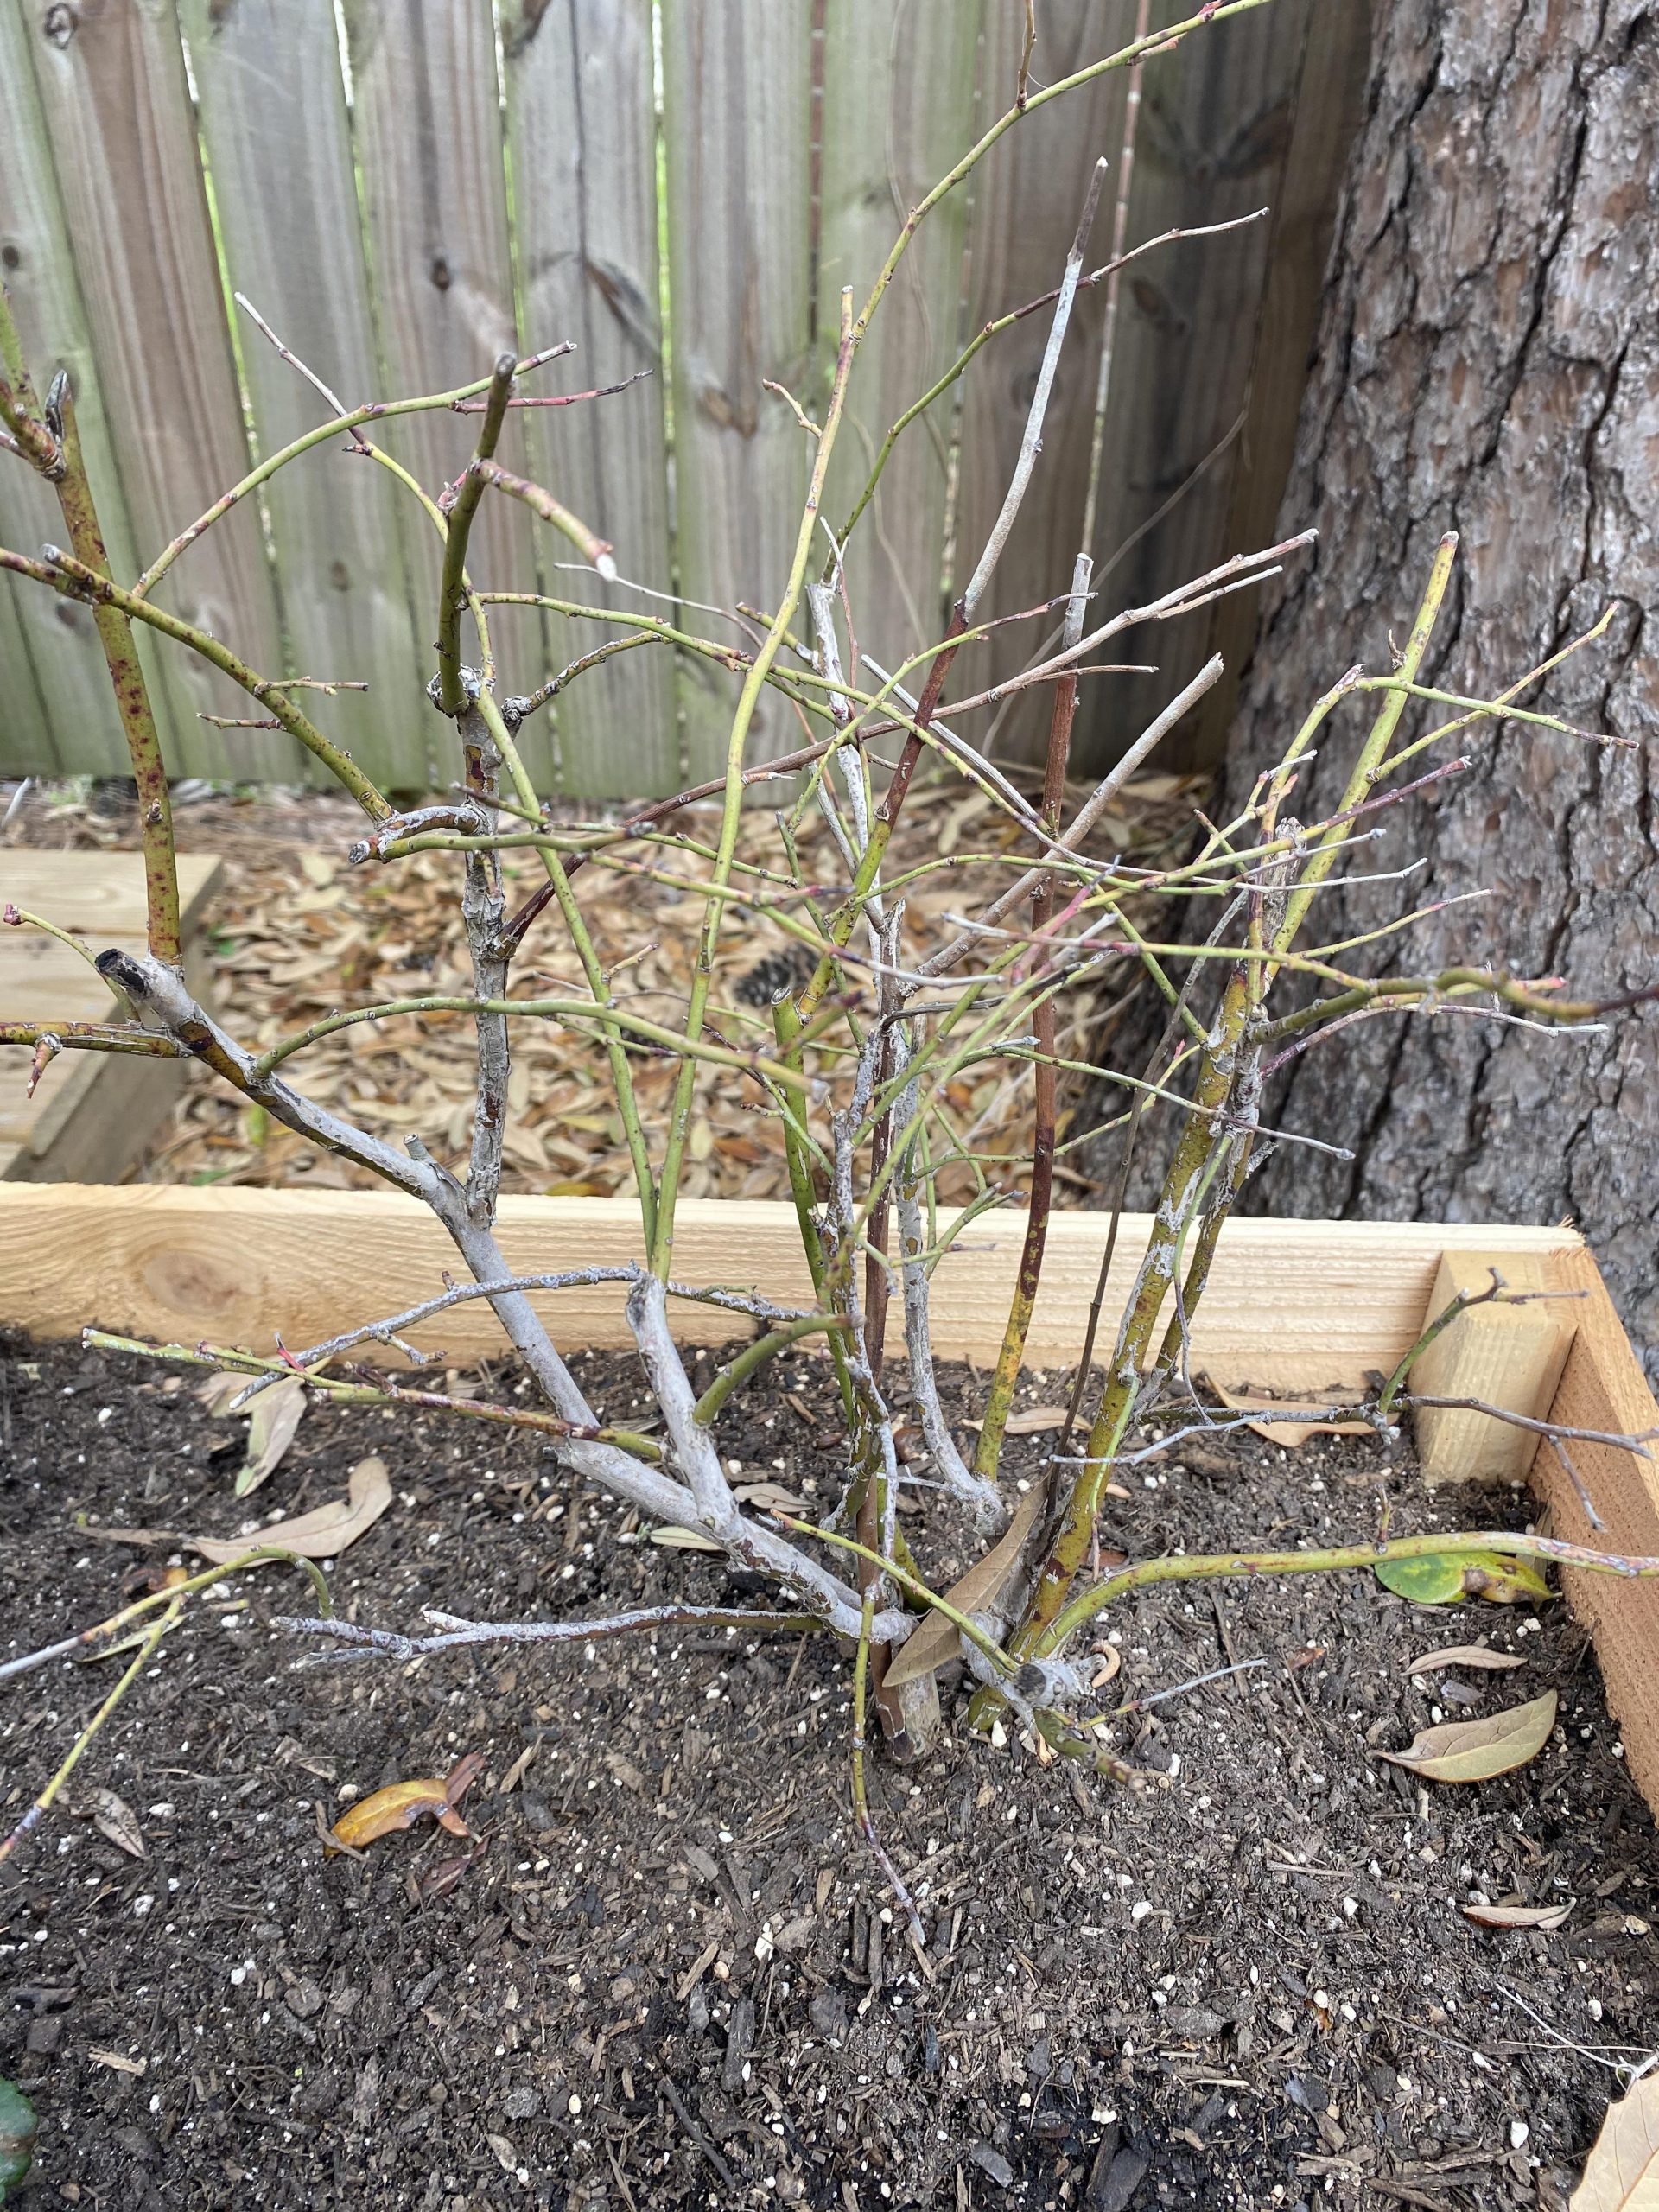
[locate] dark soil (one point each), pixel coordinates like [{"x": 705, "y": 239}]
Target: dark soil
[{"x": 672, "y": 1977}]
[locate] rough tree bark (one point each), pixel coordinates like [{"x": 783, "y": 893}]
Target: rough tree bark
[{"x": 1488, "y": 361}]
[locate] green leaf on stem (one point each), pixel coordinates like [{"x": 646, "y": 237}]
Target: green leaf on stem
[
  {"x": 17, "y": 2131},
  {"x": 1446, "y": 1576}
]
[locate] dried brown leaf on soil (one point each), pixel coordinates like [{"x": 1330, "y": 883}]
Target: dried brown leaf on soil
[
  {"x": 1622, "y": 2172},
  {"x": 115, "y": 1819},
  {"x": 1519, "y": 1915},
  {"x": 1290, "y": 1433},
  {"x": 276, "y": 1415},
  {"x": 1029, "y": 1420},
  {"x": 1474, "y": 1750},
  {"x": 936, "y": 1641},
  {"x": 1478, "y": 1655},
  {"x": 321, "y": 1534}
]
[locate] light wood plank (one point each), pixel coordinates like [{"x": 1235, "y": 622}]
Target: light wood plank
[
  {"x": 62, "y": 657},
  {"x": 898, "y": 112},
  {"x": 582, "y": 128},
  {"x": 1029, "y": 194},
  {"x": 95, "y": 895},
  {"x": 1506, "y": 1355},
  {"x": 112, "y": 81},
  {"x": 272, "y": 109},
  {"x": 1213, "y": 141},
  {"x": 737, "y": 88},
  {"x": 90, "y": 1115},
  {"x": 428, "y": 123},
  {"x": 234, "y": 1264},
  {"x": 1603, "y": 1387}
]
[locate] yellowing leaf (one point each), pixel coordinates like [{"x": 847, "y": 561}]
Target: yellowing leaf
[
  {"x": 1477, "y": 1655},
  {"x": 1474, "y": 1750},
  {"x": 1518, "y": 1915},
  {"x": 1443, "y": 1578},
  {"x": 1503, "y": 1581},
  {"x": 323, "y": 1534},
  {"x": 1622, "y": 2172},
  {"x": 400, "y": 1804},
  {"x": 1293, "y": 1433},
  {"x": 936, "y": 1641}
]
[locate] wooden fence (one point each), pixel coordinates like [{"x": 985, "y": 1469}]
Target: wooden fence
[{"x": 403, "y": 187}]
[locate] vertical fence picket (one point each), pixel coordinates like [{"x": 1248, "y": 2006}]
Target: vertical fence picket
[
  {"x": 1329, "y": 105},
  {"x": 109, "y": 256},
  {"x": 112, "y": 87},
  {"x": 1214, "y": 135},
  {"x": 61, "y": 665},
  {"x": 737, "y": 121},
  {"x": 272, "y": 110},
  {"x": 1030, "y": 192},
  {"x": 26, "y": 744},
  {"x": 428, "y": 118},
  {"x": 582, "y": 128},
  {"x": 897, "y": 111}
]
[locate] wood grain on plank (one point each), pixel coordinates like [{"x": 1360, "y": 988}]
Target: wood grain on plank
[
  {"x": 737, "y": 120},
  {"x": 428, "y": 119},
  {"x": 1506, "y": 1354},
  {"x": 237, "y": 1263},
  {"x": 1603, "y": 1386},
  {"x": 90, "y": 1114},
  {"x": 581, "y": 127},
  {"x": 112, "y": 81},
  {"x": 272, "y": 106}
]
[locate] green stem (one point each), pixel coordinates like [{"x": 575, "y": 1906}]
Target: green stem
[
  {"x": 452, "y": 590},
  {"x": 610, "y": 1024},
  {"x": 738, "y": 1370},
  {"x": 1370, "y": 767},
  {"x": 912, "y": 1585},
  {"x": 731, "y": 812},
  {"x": 376, "y": 411},
  {"x": 567, "y": 1011},
  {"x": 72, "y": 579},
  {"x": 1197, "y": 1567}
]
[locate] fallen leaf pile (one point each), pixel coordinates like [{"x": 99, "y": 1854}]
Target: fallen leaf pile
[{"x": 296, "y": 932}]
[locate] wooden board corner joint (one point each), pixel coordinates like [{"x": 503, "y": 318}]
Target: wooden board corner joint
[{"x": 1505, "y": 1353}]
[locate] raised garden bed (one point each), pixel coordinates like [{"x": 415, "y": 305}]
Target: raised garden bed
[
  {"x": 1292, "y": 1308},
  {"x": 1255, "y": 1985}
]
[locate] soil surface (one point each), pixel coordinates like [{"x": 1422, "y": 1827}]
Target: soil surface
[{"x": 669, "y": 1974}]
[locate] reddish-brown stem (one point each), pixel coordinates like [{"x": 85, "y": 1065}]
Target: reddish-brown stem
[
  {"x": 127, "y": 680},
  {"x": 1000, "y": 1399}
]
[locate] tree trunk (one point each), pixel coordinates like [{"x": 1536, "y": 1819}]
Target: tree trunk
[{"x": 1488, "y": 361}]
